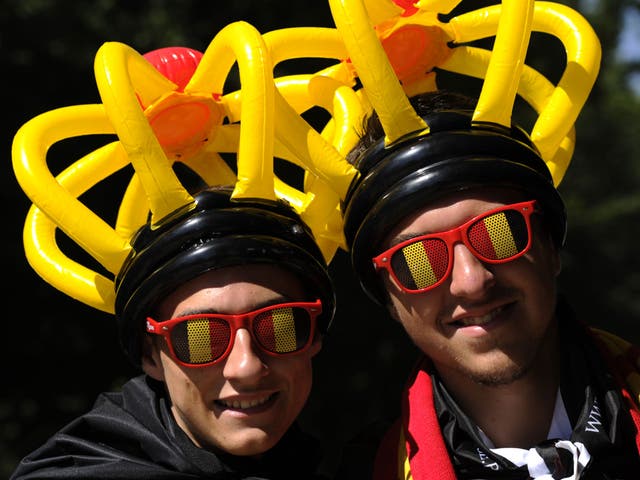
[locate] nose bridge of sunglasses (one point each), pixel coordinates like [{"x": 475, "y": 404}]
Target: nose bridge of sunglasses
[{"x": 244, "y": 339}]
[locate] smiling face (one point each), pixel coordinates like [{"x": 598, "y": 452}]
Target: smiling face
[
  {"x": 244, "y": 404},
  {"x": 488, "y": 323}
]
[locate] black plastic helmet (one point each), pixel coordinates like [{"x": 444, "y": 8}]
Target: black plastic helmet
[
  {"x": 455, "y": 155},
  {"x": 214, "y": 232}
]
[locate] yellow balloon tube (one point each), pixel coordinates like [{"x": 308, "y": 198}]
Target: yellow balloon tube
[
  {"x": 374, "y": 70},
  {"x": 315, "y": 153},
  {"x": 304, "y": 42},
  {"x": 140, "y": 106},
  {"x": 583, "y": 64},
  {"x": 121, "y": 75},
  {"x": 440, "y": 6},
  {"x": 534, "y": 88},
  {"x": 57, "y": 197},
  {"x": 134, "y": 209},
  {"x": 498, "y": 94},
  {"x": 380, "y": 10},
  {"x": 243, "y": 42},
  {"x": 68, "y": 276}
]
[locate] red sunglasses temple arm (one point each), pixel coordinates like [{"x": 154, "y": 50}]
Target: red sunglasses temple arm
[{"x": 153, "y": 327}]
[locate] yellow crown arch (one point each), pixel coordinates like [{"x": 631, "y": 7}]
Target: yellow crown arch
[
  {"x": 142, "y": 107},
  {"x": 60, "y": 207},
  {"x": 320, "y": 154},
  {"x": 375, "y": 33}
]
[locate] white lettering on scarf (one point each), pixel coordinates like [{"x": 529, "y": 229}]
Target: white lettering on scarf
[
  {"x": 483, "y": 458},
  {"x": 594, "y": 419}
]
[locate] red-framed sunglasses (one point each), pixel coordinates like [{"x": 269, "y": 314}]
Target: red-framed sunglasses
[
  {"x": 422, "y": 263},
  {"x": 205, "y": 339}
]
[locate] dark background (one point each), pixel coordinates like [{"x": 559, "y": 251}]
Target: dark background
[{"x": 58, "y": 354}]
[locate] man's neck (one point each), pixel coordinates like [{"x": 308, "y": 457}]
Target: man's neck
[{"x": 517, "y": 414}]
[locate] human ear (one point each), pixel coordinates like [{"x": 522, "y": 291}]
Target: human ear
[
  {"x": 393, "y": 311},
  {"x": 550, "y": 246},
  {"x": 555, "y": 254},
  {"x": 151, "y": 362},
  {"x": 388, "y": 304}
]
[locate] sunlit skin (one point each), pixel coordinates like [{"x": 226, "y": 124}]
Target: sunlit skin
[
  {"x": 489, "y": 329},
  {"x": 206, "y": 400}
]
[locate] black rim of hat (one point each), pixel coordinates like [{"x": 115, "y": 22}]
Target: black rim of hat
[
  {"x": 215, "y": 232},
  {"x": 455, "y": 155}
]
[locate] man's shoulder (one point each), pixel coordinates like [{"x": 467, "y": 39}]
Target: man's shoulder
[{"x": 612, "y": 341}]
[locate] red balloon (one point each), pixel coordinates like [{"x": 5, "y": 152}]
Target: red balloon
[{"x": 175, "y": 63}]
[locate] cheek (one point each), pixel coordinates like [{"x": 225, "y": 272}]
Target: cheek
[
  {"x": 416, "y": 313},
  {"x": 296, "y": 368},
  {"x": 416, "y": 305},
  {"x": 545, "y": 251},
  {"x": 297, "y": 372},
  {"x": 187, "y": 386},
  {"x": 545, "y": 260},
  {"x": 175, "y": 379}
]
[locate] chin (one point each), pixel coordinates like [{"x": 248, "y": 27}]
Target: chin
[
  {"x": 252, "y": 444},
  {"x": 496, "y": 375}
]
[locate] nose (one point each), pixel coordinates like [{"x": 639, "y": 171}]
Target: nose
[
  {"x": 469, "y": 276},
  {"x": 244, "y": 361}
]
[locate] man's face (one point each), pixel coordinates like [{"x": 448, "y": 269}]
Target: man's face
[
  {"x": 245, "y": 403},
  {"x": 486, "y": 322}
]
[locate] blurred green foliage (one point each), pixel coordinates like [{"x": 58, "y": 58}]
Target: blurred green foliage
[{"x": 58, "y": 354}]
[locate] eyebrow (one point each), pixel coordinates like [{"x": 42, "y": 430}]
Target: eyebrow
[
  {"x": 197, "y": 311},
  {"x": 408, "y": 236}
]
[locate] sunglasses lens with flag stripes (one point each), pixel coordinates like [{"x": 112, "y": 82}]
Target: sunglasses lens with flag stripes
[
  {"x": 206, "y": 339},
  {"x": 497, "y": 236}
]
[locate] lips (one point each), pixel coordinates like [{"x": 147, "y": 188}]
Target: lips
[
  {"x": 239, "y": 404},
  {"x": 479, "y": 320}
]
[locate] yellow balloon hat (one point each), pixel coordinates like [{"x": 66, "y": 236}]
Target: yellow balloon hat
[
  {"x": 398, "y": 49},
  {"x": 396, "y": 45},
  {"x": 394, "y": 49},
  {"x": 159, "y": 122}
]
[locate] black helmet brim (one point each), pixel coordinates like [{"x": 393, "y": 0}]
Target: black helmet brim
[
  {"x": 216, "y": 232},
  {"x": 403, "y": 178}
]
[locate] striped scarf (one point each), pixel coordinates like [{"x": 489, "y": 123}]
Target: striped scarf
[{"x": 602, "y": 401}]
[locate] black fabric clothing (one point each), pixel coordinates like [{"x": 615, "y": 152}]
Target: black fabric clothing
[{"x": 132, "y": 435}]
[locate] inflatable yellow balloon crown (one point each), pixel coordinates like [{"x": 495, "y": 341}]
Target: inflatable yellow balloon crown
[
  {"x": 398, "y": 49},
  {"x": 183, "y": 115},
  {"x": 396, "y": 46},
  {"x": 393, "y": 47}
]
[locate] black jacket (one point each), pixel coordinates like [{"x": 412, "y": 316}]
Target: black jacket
[{"x": 132, "y": 434}]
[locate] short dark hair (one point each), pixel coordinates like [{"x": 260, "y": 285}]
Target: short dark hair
[{"x": 371, "y": 130}]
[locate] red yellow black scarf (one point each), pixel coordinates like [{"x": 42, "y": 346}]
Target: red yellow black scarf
[{"x": 415, "y": 448}]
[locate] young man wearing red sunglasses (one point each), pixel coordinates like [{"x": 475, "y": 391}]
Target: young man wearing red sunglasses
[
  {"x": 458, "y": 233},
  {"x": 236, "y": 298}
]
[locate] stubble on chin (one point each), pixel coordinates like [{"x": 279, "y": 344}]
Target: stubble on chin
[
  {"x": 498, "y": 377},
  {"x": 494, "y": 372}
]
